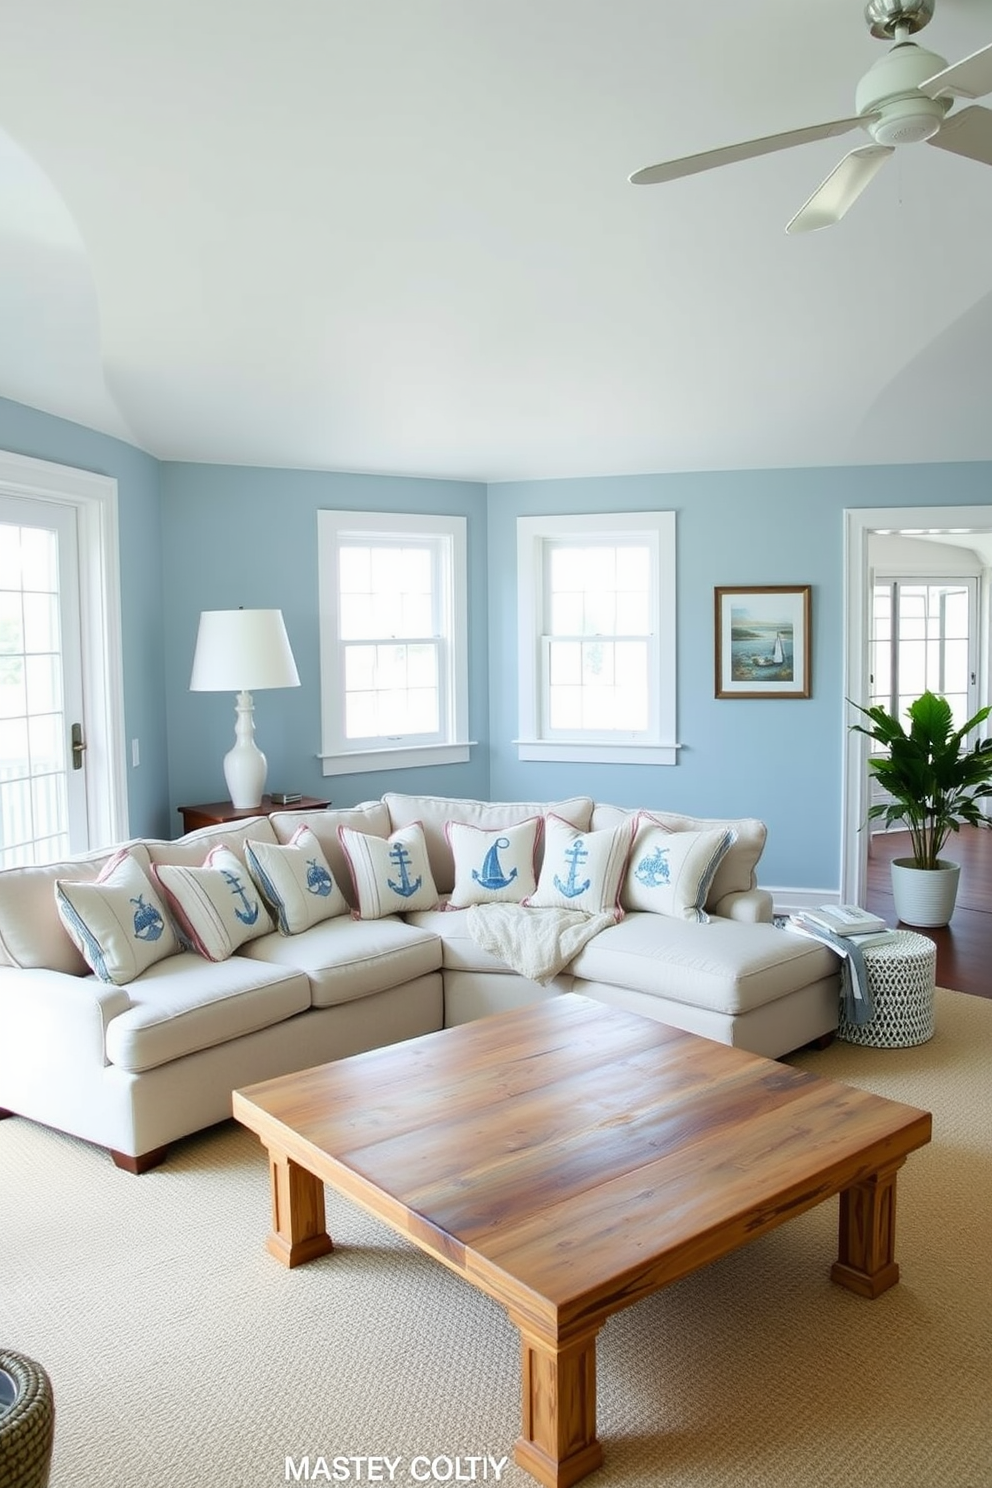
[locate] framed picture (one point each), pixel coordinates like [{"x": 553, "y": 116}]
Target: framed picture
[{"x": 763, "y": 641}]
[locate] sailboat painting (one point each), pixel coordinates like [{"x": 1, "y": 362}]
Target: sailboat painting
[{"x": 763, "y": 641}]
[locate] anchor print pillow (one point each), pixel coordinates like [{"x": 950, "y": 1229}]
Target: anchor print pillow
[
  {"x": 582, "y": 870},
  {"x": 670, "y": 873},
  {"x": 391, "y": 875},
  {"x": 295, "y": 881},
  {"x": 217, "y": 907},
  {"x": 117, "y": 921},
  {"x": 493, "y": 865}
]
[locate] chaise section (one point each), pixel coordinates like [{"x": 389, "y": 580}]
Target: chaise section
[{"x": 752, "y": 985}]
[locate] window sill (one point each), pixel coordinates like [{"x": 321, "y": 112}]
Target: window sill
[
  {"x": 403, "y": 757},
  {"x": 597, "y": 754}
]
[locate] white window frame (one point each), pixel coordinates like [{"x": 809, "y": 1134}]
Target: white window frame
[
  {"x": 658, "y": 747},
  {"x": 335, "y": 529}
]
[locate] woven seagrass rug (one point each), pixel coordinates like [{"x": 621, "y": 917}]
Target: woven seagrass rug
[{"x": 183, "y": 1356}]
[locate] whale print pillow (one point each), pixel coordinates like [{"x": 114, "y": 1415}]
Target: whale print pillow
[
  {"x": 295, "y": 881},
  {"x": 217, "y": 906},
  {"x": 670, "y": 873},
  {"x": 494, "y": 865},
  {"x": 582, "y": 870},
  {"x": 391, "y": 875},
  {"x": 117, "y": 921}
]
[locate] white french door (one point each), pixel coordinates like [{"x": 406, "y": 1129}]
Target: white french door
[{"x": 43, "y": 808}]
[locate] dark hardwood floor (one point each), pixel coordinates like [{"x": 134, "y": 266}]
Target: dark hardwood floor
[{"x": 964, "y": 947}]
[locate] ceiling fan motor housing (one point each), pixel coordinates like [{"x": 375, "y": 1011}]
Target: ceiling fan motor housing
[{"x": 891, "y": 89}]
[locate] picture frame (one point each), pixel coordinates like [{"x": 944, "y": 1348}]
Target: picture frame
[{"x": 762, "y": 641}]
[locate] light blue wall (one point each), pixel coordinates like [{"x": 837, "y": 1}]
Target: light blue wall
[
  {"x": 776, "y": 759},
  {"x": 25, "y": 431},
  {"x": 236, "y": 536},
  {"x": 199, "y": 537}
]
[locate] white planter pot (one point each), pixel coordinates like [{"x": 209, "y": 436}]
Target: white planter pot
[{"x": 924, "y": 896}]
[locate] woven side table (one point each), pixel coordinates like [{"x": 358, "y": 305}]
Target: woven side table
[
  {"x": 27, "y": 1423},
  {"x": 901, "y": 976}
]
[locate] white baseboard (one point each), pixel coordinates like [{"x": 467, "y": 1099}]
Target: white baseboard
[{"x": 790, "y": 901}]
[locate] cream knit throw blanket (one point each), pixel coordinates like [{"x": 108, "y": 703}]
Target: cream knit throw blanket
[{"x": 536, "y": 943}]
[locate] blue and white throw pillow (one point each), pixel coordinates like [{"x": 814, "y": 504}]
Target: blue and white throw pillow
[
  {"x": 217, "y": 905},
  {"x": 295, "y": 881},
  {"x": 670, "y": 873},
  {"x": 117, "y": 921},
  {"x": 493, "y": 865},
  {"x": 391, "y": 875},
  {"x": 582, "y": 870}
]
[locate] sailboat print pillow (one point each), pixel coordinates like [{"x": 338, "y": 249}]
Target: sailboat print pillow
[
  {"x": 582, "y": 870},
  {"x": 117, "y": 920},
  {"x": 392, "y": 875},
  {"x": 295, "y": 881},
  {"x": 217, "y": 906},
  {"x": 495, "y": 865}
]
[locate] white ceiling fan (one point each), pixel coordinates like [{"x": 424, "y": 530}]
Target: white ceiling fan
[{"x": 903, "y": 99}]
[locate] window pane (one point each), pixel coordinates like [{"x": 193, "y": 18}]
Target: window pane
[
  {"x": 39, "y": 558},
  {"x": 565, "y": 663},
  {"x": 956, "y": 667},
  {"x": 46, "y": 743},
  {"x": 566, "y": 613},
  {"x": 11, "y": 624},
  {"x": 359, "y": 667},
  {"x": 565, "y": 707},
  {"x": 44, "y": 684},
  {"x": 357, "y": 622}
]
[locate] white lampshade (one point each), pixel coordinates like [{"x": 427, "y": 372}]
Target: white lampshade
[{"x": 241, "y": 651}]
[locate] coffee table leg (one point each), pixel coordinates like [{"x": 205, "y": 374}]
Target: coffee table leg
[
  {"x": 867, "y": 1236},
  {"x": 557, "y": 1444},
  {"x": 299, "y": 1227}
]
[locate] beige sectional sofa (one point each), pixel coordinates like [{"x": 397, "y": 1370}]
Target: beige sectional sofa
[{"x": 134, "y": 1065}]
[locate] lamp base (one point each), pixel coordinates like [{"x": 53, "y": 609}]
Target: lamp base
[{"x": 245, "y": 765}]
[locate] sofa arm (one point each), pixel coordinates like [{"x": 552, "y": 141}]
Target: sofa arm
[
  {"x": 45, "y": 1012},
  {"x": 753, "y": 905}
]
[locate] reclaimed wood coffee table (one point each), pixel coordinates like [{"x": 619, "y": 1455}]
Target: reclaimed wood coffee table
[{"x": 569, "y": 1159}]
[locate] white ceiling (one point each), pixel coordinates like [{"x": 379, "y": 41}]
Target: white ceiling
[{"x": 398, "y": 236}]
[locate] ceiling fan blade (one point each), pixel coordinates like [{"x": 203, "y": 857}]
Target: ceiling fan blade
[
  {"x": 969, "y": 78},
  {"x": 671, "y": 170},
  {"x": 967, "y": 133},
  {"x": 838, "y": 193}
]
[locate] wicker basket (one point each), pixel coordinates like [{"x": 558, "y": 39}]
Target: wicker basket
[{"x": 27, "y": 1428}]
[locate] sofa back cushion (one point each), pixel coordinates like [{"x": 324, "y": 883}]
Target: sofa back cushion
[
  {"x": 736, "y": 872},
  {"x": 31, "y": 932},
  {"x": 189, "y": 851},
  {"x": 371, "y": 817},
  {"x": 434, "y": 811}
]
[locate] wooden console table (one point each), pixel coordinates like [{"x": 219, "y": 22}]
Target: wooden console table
[{"x": 213, "y": 813}]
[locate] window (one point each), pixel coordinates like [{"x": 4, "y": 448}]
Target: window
[
  {"x": 393, "y": 640},
  {"x": 597, "y": 638}
]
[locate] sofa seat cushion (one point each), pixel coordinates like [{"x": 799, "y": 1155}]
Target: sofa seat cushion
[
  {"x": 459, "y": 951},
  {"x": 346, "y": 958},
  {"x": 185, "y": 1003},
  {"x": 724, "y": 965}
]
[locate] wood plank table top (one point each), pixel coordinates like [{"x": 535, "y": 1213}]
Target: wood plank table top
[{"x": 568, "y": 1158}]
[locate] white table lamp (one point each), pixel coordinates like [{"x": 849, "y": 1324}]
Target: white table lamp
[{"x": 242, "y": 651}]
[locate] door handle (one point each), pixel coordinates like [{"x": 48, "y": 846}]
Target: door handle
[{"x": 78, "y": 745}]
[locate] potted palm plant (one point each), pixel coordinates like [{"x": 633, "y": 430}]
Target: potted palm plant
[{"x": 935, "y": 784}]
